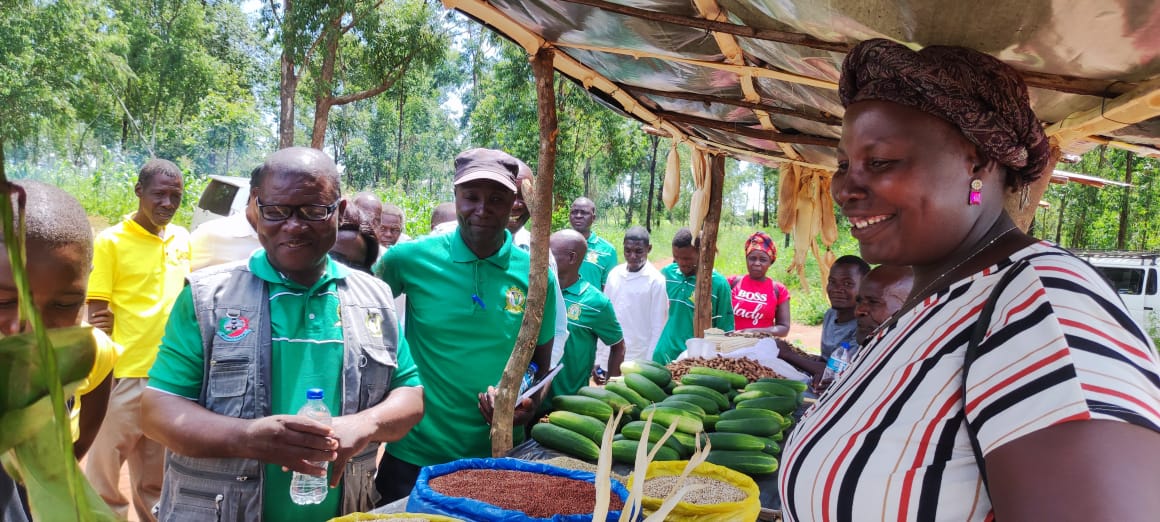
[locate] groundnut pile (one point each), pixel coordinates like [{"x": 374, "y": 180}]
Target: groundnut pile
[
  {"x": 750, "y": 368},
  {"x": 803, "y": 353},
  {"x": 714, "y": 492},
  {"x": 536, "y": 495}
]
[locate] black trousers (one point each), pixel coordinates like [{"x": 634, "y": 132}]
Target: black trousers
[{"x": 395, "y": 479}]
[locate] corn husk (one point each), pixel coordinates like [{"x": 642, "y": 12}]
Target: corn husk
[
  {"x": 671, "y": 190},
  {"x": 787, "y": 189},
  {"x": 603, "y": 482},
  {"x": 829, "y": 220}
]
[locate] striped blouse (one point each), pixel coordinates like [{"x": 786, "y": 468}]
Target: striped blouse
[{"x": 888, "y": 442}]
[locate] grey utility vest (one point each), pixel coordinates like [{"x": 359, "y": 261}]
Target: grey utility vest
[{"x": 236, "y": 383}]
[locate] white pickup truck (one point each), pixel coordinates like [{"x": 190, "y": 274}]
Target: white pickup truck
[{"x": 1136, "y": 277}]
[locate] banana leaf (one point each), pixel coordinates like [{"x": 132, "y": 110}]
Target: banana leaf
[{"x": 25, "y": 406}]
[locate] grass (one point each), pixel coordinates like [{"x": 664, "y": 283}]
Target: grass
[{"x": 806, "y": 307}]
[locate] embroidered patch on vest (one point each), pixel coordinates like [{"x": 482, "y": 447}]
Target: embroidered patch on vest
[
  {"x": 375, "y": 324},
  {"x": 515, "y": 300},
  {"x": 233, "y": 327}
]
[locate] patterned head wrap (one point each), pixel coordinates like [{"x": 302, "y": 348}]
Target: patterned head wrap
[
  {"x": 761, "y": 241},
  {"x": 982, "y": 96}
]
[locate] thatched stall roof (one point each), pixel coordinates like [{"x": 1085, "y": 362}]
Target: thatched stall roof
[{"x": 757, "y": 79}]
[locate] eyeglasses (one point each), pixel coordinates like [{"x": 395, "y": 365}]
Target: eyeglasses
[{"x": 306, "y": 212}]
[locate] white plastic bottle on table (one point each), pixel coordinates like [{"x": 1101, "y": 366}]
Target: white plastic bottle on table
[
  {"x": 309, "y": 489},
  {"x": 837, "y": 364}
]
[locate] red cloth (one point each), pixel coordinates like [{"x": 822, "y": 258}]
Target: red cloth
[{"x": 755, "y": 302}]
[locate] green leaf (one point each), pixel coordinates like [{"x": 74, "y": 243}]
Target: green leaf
[{"x": 21, "y": 368}]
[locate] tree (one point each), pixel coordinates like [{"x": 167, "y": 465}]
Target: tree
[{"x": 351, "y": 50}]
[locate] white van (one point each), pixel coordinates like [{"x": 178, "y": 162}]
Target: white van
[
  {"x": 223, "y": 196},
  {"x": 1136, "y": 277}
]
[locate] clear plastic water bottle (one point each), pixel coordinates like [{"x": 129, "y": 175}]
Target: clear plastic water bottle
[
  {"x": 529, "y": 378},
  {"x": 837, "y": 364},
  {"x": 309, "y": 489}
]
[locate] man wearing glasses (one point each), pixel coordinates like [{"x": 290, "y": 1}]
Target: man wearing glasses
[{"x": 247, "y": 339}]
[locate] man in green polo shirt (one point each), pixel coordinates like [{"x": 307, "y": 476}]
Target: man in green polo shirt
[
  {"x": 601, "y": 256},
  {"x": 466, "y": 294},
  {"x": 681, "y": 283},
  {"x": 246, "y": 340},
  {"x": 590, "y": 317}
]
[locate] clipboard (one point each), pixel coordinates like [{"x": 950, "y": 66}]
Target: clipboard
[{"x": 540, "y": 384}]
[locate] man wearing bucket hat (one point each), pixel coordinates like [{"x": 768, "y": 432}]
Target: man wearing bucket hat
[{"x": 466, "y": 296}]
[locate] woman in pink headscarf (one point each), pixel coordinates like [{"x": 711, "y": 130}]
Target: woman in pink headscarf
[{"x": 760, "y": 304}]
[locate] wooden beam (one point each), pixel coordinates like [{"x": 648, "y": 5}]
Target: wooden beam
[
  {"x": 1142, "y": 103},
  {"x": 541, "y": 210},
  {"x": 761, "y": 72},
  {"x": 743, "y": 130},
  {"x": 703, "y": 291},
  {"x": 748, "y": 154},
  {"x": 1054, "y": 82}
]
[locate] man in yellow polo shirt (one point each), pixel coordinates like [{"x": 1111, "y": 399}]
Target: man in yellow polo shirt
[{"x": 139, "y": 268}]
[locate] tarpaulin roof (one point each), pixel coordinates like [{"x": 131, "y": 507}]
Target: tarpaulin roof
[{"x": 758, "y": 79}]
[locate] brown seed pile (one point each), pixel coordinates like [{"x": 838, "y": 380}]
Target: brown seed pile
[
  {"x": 750, "y": 368},
  {"x": 714, "y": 492},
  {"x": 534, "y": 494}
]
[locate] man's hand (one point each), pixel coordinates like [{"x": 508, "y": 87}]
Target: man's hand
[
  {"x": 525, "y": 409},
  {"x": 100, "y": 316},
  {"x": 292, "y": 441},
  {"x": 600, "y": 377},
  {"x": 353, "y": 434}
]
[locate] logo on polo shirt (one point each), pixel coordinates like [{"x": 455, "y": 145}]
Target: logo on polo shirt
[
  {"x": 574, "y": 312},
  {"x": 515, "y": 300},
  {"x": 592, "y": 257},
  {"x": 233, "y": 327},
  {"x": 693, "y": 297}
]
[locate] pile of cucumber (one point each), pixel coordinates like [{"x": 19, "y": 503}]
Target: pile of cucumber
[{"x": 745, "y": 421}]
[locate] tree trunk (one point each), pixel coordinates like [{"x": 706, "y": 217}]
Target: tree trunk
[
  {"x": 287, "y": 89},
  {"x": 1059, "y": 224},
  {"x": 1122, "y": 236},
  {"x": 703, "y": 316},
  {"x": 324, "y": 95},
  {"x": 399, "y": 135},
  {"x": 652, "y": 182},
  {"x": 631, "y": 196},
  {"x": 587, "y": 174},
  {"x": 765, "y": 197},
  {"x": 517, "y": 365}
]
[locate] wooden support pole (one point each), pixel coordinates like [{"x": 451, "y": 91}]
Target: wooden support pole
[
  {"x": 541, "y": 210},
  {"x": 703, "y": 318}
]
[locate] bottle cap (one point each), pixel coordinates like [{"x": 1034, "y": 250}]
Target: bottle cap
[
  {"x": 533, "y": 367},
  {"x": 314, "y": 394},
  {"x": 846, "y": 344}
]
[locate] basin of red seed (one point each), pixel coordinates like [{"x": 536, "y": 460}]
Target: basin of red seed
[{"x": 535, "y": 494}]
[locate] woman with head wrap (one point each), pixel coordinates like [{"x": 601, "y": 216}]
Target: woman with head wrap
[
  {"x": 1012, "y": 384},
  {"x": 760, "y": 304}
]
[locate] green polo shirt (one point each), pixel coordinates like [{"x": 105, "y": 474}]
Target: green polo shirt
[
  {"x": 306, "y": 352},
  {"x": 679, "y": 327},
  {"x": 463, "y": 316},
  {"x": 590, "y": 317},
  {"x": 599, "y": 261}
]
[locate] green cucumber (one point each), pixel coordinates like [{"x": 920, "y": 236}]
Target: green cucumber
[
  {"x": 736, "y": 380},
  {"x": 690, "y": 407},
  {"x": 721, "y": 385},
  {"x": 624, "y": 451},
  {"x": 772, "y": 447},
  {"x": 797, "y": 385},
  {"x": 750, "y": 413},
  {"x": 622, "y": 390},
  {"x": 583, "y": 405},
  {"x": 708, "y": 393},
  {"x": 755, "y": 394},
  {"x": 610, "y": 398},
  {"x": 689, "y": 442},
  {"x": 565, "y": 440},
  {"x": 783, "y": 405},
  {"x": 748, "y": 462},
  {"x": 635, "y": 429},
  {"x": 645, "y": 387},
  {"x": 773, "y": 388},
  {"x": 659, "y": 376},
  {"x": 757, "y": 427},
  {"x": 666, "y": 416},
  {"x": 582, "y": 424},
  {"x": 707, "y": 404},
  {"x": 735, "y": 441}
]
